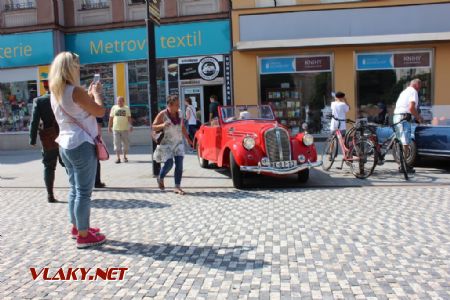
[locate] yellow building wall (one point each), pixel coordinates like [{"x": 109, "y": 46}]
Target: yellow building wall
[
  {"x": 121, "y": 84},
  {"x": 442, "y": 75},
  {"x": 246, "y": 70}
]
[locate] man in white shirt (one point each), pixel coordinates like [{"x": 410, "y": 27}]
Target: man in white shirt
[
  {"x": 406, "y": 106},
  {"x": 339, "y": 110}
]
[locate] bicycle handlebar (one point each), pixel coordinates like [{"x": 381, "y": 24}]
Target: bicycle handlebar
[{"x": 346, "y": 120}]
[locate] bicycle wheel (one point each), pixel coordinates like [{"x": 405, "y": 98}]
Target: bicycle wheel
[
  {"x": 398, "y": 150},
  {"x": 364, "y": 158},
  {"x": 329, "y": 152}
]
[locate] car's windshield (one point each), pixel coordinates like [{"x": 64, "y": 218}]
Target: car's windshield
[{"x": 247, "y": 112}]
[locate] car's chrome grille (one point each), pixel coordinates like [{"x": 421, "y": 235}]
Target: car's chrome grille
[{"x": 278, "y": 146}]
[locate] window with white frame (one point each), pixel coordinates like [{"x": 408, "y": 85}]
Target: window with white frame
[
  {"x": 197, "y": 7},
  {"x": 19, "y": 4},
  {"x": 94, "y": 4},
  {"x": 272, "y": 3}
]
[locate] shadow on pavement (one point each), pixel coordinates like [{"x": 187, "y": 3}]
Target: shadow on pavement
[
  {"x": 237, "y": 195},
  {"x": 126, "y": 204},
  {"x": 221, "y": 258},
  {"x": 9, "y": 157}
]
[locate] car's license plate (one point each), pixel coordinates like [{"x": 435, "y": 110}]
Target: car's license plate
[{"x": 284, "y": 164}]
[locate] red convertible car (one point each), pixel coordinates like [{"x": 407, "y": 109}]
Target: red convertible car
[{"x": 248, "y": 139}]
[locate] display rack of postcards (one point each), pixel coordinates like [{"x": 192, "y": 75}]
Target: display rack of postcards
[
  {"x": 286, "y": 105},
  {"x": 325, "y": 119}
]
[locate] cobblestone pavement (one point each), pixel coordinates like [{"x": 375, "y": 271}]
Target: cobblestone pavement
[{"x": 348, "y": 242}]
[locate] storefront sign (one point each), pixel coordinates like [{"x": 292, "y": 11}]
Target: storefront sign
[
  {"x": 387, "y": 61},
  {"x": 298, "y": 64},
  {"x": 375, "y": 61},
  {"x": 201, "y": 70},
  {"x": 412, "y": 60},
  {"x": 177, "y": 40},
  {"x": 277, "y": 65},
  {"x": 228, "y": 86},
  {"x": 313, "y": 64},
  {"x": 28, "y": 49}
]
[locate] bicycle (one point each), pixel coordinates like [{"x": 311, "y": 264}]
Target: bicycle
[
  {"x": 392, "y": 142},
  {"x": 359, "y": 154}
]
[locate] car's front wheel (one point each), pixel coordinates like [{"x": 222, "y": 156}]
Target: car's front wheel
[
  {"x": 410, "y": 155},
  {"x": 202, "y": 162},
  {"x": 303, "y": 176},
  {"x": 236, "y": 174}
]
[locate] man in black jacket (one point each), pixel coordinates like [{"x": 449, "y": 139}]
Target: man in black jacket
[{"x": 48, "y": 131}]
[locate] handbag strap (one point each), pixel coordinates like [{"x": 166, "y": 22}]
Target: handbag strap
[{"x": 76, "y": 121}]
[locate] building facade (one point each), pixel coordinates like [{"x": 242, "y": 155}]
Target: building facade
[
  {"x": 292, "y": 54},
  {"x": 192, "y": 42}
]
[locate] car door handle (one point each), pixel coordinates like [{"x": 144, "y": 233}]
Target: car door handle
[{"x": 231, "y": 130}]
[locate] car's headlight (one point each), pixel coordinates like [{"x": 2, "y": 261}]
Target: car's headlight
[
  {"x": 308, "y": 140},
  {"x": 249, "y": 143}
]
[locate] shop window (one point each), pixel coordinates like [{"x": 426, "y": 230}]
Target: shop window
[
  {"x": 106, "y": 78},
  {"x": 298, "y": 89},
  {"x": 381, "y": 77},
  {"x": 138, "y": 91},
  {"x": 11, "y": 5},
  {"x": 197, "y": 7},
  {"x": 273, "y": 3},
  {"x": 16, "y": 104}
]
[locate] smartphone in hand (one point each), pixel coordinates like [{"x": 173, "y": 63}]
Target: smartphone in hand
[{"x": 96, "y": 78}]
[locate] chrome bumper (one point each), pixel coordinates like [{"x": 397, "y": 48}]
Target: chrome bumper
[{"x": 260, "y": 169}]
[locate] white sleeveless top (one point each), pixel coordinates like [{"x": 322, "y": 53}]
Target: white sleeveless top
[
  {"x": 192, "y": 119},
  {"x": 70, "y": 134}
]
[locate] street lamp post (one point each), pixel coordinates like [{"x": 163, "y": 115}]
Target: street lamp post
[{"x": 152, "y": 17}]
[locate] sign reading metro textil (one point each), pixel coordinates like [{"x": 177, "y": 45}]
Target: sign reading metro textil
[
  {"x": 26, "y": 49},
  {"x": 175, "y": 40}
]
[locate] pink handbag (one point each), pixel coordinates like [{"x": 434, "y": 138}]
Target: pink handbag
[{"x": 100, "y": 147}]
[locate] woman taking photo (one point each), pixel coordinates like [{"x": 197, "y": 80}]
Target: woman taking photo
[
  {"x": 171, "y": 148},
  {"x": 75, "y": 111}
]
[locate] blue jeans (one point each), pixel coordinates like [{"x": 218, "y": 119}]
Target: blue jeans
[
  {"x": 81, "y": 166},
  {"x": 178, "y": 169},
  {"x": 402, "y": 130}
]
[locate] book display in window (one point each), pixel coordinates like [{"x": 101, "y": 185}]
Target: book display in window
[{"x": 286, "y": 105}]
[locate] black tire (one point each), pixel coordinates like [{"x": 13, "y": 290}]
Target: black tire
[
  {"x": 329, "y": 152},
  {"x": 201, "y": 161},
  {"x": 366, "y": 158},
  {"x": 398, "y": 150},
  {"x": 303, "y": 176},
  {"x": 411, "y": 156},
  {"x": 236, "y": 174}
]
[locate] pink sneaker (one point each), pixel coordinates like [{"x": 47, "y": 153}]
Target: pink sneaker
[
  {"x": 75, "y": 231},
  {"x": 90, "y": 240}
]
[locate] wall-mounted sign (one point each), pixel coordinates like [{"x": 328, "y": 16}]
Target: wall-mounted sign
[
  {"x": 228, "y": 82},
  {"x": 26, "y": 49},
  {"x": 412, "y": 60},
  {"x": 313, "y": 63},
  {"x": 397, "y": 60},
  {"x": 297, "y": 64},
  {"x": 174, "y": 40},
  {"x": 277, "y": 65},
  {"x": 201, "y": 70}
]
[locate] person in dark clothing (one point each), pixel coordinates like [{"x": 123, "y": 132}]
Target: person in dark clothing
[
  {"x": 98, "y": 181},
  {"x": 48, "y": 131},
  {"x": 213, "y": 108}
]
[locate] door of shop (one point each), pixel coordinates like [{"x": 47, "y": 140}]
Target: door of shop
[{"x": 196, "y": 95}]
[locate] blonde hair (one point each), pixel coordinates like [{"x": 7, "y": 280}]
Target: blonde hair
[{"x": 64, "y": 70}]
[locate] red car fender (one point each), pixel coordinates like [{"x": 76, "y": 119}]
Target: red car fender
[
  {"x": 242, "y": 156},
  {"x": 298, "y": 148}
]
